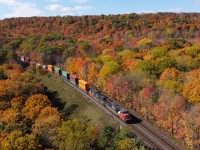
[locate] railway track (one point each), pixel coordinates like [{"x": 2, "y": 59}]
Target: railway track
[{"x": 150, "y": 136}]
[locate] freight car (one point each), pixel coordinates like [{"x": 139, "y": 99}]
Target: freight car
[
  {"x": 50, "y": 68},
  {"x": 122, "y": 113},
  {"x": 65, "y": 75},
  {"x": 57, "y": 71},
  {"x": 74, "y": 80},
  {"x": 83, "y": 85}
]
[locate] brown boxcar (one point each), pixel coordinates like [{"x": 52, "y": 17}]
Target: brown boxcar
[
  {"x": 50, "y": 68},
  {"x": 83, "y": 85}
]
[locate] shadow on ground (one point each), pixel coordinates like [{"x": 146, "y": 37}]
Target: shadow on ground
[
  {"x": 69, "y": 110},
  {"x": 134, "y": 120},
  {"x": 55, "y": 100}
]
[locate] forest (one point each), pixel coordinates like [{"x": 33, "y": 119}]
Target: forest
[{"x": 150, "y": 63}]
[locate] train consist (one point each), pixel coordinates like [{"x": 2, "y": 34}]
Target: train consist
[{"x": 122, "y": 113}]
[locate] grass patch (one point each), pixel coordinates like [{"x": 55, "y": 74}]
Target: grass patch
[{"x": 73, "y": 104}]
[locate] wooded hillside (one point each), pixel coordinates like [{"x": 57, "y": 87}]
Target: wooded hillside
[{"x": 148, "y": 62}]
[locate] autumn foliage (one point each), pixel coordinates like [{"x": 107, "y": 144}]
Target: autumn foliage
[{"x": 148, "y": 62}]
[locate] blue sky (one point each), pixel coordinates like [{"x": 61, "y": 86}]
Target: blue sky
[{"x": 25, "y": 8}]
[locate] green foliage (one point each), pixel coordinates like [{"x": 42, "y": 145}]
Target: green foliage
[
  {"x": 75, "y": 135},
  {"x": 145, "y": 43},
  {"x": 173, "y": 44},
  {"x": 158, "y": 52},
  {"x": 187, "y": 63},
  {"x": 105, "y": 58},
  {"x": 108, "y": 69},
  {"x": 125, "y": 53},
  {"x": 165, "y": 63},
  {"x": 16, "y": 140},
  {"x": 147, "y": 66},
  {"x": 193, "y": 51},
  {"x": 12, "y": 55},
  {"x": 106, "y": 137}
]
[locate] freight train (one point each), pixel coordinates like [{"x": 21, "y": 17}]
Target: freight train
[{"x": 118, "y": 110}]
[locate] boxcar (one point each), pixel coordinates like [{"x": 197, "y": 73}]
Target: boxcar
[
  {"x": 83, "y": 85},
  {"x": 74, "y": 79},
  {"x": 65, "y": 75},
  {"x": 50, "y": 68},
  {"x": 57, "y": 71}
]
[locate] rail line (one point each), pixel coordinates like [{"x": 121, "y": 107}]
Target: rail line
[{"x": 150, "y": 136}]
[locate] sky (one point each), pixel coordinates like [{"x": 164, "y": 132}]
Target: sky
[{"x": 25, "y": 8}]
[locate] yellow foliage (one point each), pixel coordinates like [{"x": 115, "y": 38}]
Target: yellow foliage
[{"x": 191, "y": 91}]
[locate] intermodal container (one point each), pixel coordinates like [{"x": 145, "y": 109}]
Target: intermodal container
[
  {"x": 57, "y": 71},
  {"x": 74, "y": 79},
  {"x": 50, "y": 68},
  {"x": 22, "y": 58},
  {"x": 83, "y": 85},
  {"x": 65, "y": 75}
]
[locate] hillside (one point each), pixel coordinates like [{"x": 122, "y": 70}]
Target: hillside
[{"x": 148, "y": 62}]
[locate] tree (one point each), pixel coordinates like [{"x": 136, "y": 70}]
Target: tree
[
  {"x": 108, "y": 69},
  {"x": 165, "y": 63},
  {"x": 106, "y": 137},
  {"x": 158, "y": 52},
  {"x": 147, "y": 66},
  {"x": 171, "y": 79},
  {"x": 145, "y": 43},
  {"x": 191, "y": 91},
  {"x": 126, "y": 144},
  {"x": 16, "y": 140},
  {"x": 34, "y": 105},
  {"x": 75, "y": 135},
  {"x": 47, "y": 124}
]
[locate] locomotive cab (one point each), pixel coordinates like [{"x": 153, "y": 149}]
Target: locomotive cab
[
  {"x": 124, "y": 115},
  {"x": 93, "y": 92}
]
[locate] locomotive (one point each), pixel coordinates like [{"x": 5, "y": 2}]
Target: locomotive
[{"x": 115, "y": 108}]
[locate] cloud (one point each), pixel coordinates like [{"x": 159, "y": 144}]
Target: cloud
[
  {"x": 145, "y": 12},
  {"x": 64, "y": 10},
  {"x": 20, "y": 9},
  {"x": 176, "y": 10},
  {"x": 79, "y": 1}
]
